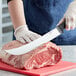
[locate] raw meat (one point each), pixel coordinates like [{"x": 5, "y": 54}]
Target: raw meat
[{"x": 44, "y": 55}]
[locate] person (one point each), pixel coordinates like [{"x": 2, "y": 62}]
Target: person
[{"x": 33, "y": 18}]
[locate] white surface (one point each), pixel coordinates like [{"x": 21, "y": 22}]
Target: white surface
[
  {"x": 71, "y": 72},
  {"x": 69, "y": 54}
]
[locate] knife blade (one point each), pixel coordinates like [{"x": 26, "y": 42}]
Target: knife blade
[{"x": 34, "y": 44}]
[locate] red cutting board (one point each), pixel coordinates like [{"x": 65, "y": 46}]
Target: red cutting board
[{"x": 61, "y": 66}]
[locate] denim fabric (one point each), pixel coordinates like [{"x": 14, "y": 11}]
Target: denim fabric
[{"x": 43, "y": 15}]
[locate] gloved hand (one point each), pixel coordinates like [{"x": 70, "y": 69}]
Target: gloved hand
[
  {"x": 23, "y": 34},
  {"x": 70, "y": 16}
]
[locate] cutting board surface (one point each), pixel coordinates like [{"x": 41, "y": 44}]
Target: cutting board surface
[{"x": 61, "y": 66}]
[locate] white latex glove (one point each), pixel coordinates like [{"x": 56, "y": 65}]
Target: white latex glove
[
  {"x": 70, "y": 16},
  {"x": 23, "y": 34}
]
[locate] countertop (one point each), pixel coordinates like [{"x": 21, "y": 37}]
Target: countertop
[{"x": 69, "y": 54}]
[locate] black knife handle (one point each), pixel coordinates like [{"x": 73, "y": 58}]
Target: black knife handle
[{"x": 62, "y": 26}]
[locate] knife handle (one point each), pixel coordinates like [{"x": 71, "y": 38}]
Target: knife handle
[{"x": 62, "y": 26}]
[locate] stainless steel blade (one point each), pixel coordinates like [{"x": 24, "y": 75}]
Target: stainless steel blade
[{"x": 34, "y": 44}]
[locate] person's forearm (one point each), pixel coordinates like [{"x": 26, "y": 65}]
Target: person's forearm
[{"x": 17, "y": 13}]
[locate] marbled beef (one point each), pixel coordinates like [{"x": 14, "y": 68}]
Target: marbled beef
[{"x": 44, "y": 55}]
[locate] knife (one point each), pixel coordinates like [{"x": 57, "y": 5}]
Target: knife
[{"x": 43, "y": 39}]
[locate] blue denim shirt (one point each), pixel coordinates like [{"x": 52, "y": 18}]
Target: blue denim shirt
[{"x": 43, "y": 15}]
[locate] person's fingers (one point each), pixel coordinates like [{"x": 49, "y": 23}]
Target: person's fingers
[
  {"x": 21, "y": 40},
  {"x": 68, "y": 24},
  {"x": 34, "y": 36},
  {"x": 37, "y": 36},
  {"x": 27, "y": 39},
  {"x": 74, "y": 26},
  {"x": 74, "y": 23},
  {"x": 31, "y": 36}
]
